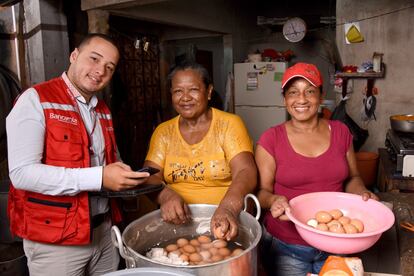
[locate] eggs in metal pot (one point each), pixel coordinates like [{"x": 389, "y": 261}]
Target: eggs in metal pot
[{"x": 195, "y": 251}]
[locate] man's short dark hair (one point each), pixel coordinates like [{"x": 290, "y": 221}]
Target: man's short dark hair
[{"x": 90, "y": 36}]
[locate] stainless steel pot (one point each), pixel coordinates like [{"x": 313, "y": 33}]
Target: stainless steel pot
[
  {"x": 403, "y": 123},
  {"x": 143, "y": 233}
]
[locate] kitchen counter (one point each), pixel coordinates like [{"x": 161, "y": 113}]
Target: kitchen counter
[
  {"x": 388, "y": 179},
  {"x": 403, "y": 208}
]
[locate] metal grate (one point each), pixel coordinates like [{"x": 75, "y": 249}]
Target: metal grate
[{"x": 136, "y": 98}]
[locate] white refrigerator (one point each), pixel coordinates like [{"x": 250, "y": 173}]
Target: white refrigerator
[{"x": 258, "y": 98}]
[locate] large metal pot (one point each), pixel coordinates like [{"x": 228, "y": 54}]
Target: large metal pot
[
  {"x": 150, "y": 230},
  {"x": 403, "y": 123}
]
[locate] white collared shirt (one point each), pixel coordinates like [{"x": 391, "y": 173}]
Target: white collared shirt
[{"x": 25, "y": 126}]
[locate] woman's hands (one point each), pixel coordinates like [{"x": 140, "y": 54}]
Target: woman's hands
[
  {"x": 279, "y": 206},
  {"x": 368, "y": 194},
  {"x": 173, "y": 208},
  {"x": 224, "y": 223}
]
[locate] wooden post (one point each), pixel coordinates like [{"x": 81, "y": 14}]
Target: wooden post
[{"x": 98, "y": 21}]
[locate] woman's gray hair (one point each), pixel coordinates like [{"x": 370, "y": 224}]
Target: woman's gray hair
[{"x": 190, "y": 65}]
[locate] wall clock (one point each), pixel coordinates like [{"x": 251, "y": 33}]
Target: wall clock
[{"x": 294, "y": 29}]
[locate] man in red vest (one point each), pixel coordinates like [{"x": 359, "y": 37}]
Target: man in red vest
[{"x": 61, "y": 146}]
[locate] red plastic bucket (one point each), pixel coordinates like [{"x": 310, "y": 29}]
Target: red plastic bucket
[{"x": 367, "y": 163}]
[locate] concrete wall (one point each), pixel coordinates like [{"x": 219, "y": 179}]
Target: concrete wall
[
  {"x": 212, "y": 44},
  {"x": 313, "y": 49},
  {"x": 390, "y": 33},
  {"x": 199, "y": 21},
  {"x": 48, "y": 47},
  {"x": 7, "y": 40},
  {"x": 236, "y": 20}
]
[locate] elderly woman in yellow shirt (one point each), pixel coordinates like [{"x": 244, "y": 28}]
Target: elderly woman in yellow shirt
[{"x": 204, "y": 154}]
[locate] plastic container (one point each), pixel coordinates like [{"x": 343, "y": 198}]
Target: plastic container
[
  {"x": 148, "y": 271},
  {"x": 377, "y": 218},
  {"x": 367, "y": 163},
  {"x": 254, "y": 57}
]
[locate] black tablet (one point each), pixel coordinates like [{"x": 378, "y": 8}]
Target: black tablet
[{"x": 139, "y": 190}]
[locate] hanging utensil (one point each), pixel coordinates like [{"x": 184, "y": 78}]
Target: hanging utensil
[{"x": 369, "y": 103}]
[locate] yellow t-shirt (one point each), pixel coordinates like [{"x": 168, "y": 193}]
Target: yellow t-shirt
[{"x": 200, "y": 173}]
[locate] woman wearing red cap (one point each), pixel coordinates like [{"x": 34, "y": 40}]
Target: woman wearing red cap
[{"x": 303, "y": 155}]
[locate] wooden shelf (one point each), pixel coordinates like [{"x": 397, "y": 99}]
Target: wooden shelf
[
  {"x": 364, "y": 75},
  {"x": 367, "y": 75}
]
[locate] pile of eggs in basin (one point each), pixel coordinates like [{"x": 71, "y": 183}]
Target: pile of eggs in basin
[
  {"x": 326, "y": 232},
  {"x": 197, "y": 250},
  {"x": 334, "y": 221}
]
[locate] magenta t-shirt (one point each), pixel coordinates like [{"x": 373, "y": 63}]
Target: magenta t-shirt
[{"x": 297, "y": 174}]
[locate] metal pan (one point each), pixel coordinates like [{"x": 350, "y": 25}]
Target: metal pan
[{"x": 403, "y": 123}]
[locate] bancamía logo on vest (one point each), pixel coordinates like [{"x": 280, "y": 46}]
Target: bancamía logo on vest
[{"x": 63, "y": 119}]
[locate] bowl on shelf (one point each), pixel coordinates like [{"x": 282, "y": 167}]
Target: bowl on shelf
[{"x": 377, "y": 218}]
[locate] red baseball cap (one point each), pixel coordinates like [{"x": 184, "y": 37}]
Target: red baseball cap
[{"x": 303, "y": 70}]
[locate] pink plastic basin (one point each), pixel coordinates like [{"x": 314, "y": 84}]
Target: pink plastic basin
[{"x": 377, "y": 218}]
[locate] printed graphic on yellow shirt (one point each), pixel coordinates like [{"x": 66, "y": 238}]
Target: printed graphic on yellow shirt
[{"x": 182, "y": 172}]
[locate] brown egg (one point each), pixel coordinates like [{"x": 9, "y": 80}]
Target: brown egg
[
  {"x": 219, "y": 243},
  {"x": 184, "y": 257},
  {"x": 218, "y": 233},
  {"x": 204, "y": 239},
  {"x": 216, "y": 258},
  {"x": 237, "y": 252},
  {"x": 181, "y": 242},
  {"x": 323, "y": 217},
  {"x": 195, "y": 242},
  {"x": 322, "y": 227},
  {"x": 336, "y": 228},
  {"x": 333, "y": 222},
  {"x": 206, "y": 255},
  {"x": 358, "y": 224},
  {"x": 189, "y": 248},
  {"x": 224, "y": 251},
  {"x": 344, "y": 220},
  {"x": 195, "y": 257},
  {"x": 206, "y": 245},
  {"x": 350, "y": 228},
  {"x": 336, "y": 213},
  {"x": 171, "y": 247},
  {"x": 213, "y": 251}
]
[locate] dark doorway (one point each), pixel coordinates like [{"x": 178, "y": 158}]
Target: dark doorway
[{"x": 136, "y": 98}]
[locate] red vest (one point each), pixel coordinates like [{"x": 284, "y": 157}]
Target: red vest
[{"x": 61, "y": 219}]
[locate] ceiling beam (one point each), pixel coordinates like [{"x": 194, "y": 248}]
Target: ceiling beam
[{"x": 105, "y": 4}]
